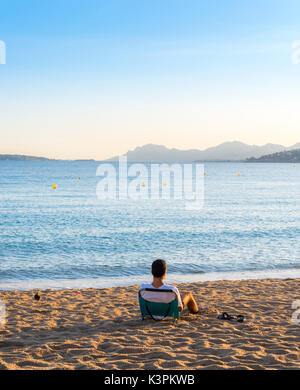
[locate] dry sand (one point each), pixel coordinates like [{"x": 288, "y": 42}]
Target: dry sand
[{"x": 101, "y": 329}]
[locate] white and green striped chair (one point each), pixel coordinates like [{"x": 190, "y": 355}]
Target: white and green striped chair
[{"x": 159, "y": 306}]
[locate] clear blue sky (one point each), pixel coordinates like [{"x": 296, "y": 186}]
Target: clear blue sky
[{"x": 91, "y": 79}]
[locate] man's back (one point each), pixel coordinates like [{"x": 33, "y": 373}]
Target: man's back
[
  {"x": 161, "y": 297},
  {"x": 159, "y": 270}
]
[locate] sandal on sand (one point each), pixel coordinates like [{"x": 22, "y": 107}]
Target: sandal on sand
[{"x": 226, "y": 316}]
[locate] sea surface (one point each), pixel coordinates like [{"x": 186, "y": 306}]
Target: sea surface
[{"x": 66, "y": 237}]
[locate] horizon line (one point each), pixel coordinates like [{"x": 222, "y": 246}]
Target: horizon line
[{"x": 140, "y": 146}]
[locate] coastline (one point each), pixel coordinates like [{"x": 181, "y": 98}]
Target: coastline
[
  {"x": 127, "y": 281},
  {"x": 101, "y": 329}
]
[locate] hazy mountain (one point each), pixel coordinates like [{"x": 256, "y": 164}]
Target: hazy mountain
[
  {"x": 288, "y": 156},
  {"x": 20, "y": 157},
  {"x": 296, "y": 146},
  {"x": 235, "y": 151},
  {"x": 228, "y": 151}
]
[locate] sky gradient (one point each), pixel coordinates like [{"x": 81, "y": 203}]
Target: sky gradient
[{"x": 94, "y": 78}]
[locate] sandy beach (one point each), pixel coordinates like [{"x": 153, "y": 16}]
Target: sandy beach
[{"x": 101, "y": 329}]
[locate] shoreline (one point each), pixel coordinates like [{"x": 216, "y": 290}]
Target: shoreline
[
  {"x": 101, "y": 329},
  {"x": 127, "y": 281}
]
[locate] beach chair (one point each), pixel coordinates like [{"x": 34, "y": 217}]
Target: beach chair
[{"x": 158, "y": 304}]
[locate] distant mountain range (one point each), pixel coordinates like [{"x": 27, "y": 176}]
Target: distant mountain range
[
  {"x": 288, "y": 156},
  {"x": 228, "y": 151}
]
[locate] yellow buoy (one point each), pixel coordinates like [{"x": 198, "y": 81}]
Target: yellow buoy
[
  {"x": 79, "y": 178},
  {"x": 294, "y": 166},
  {"x": 204, "y": 173},
  {"x": 164, "y": 183},
  {"x": 239, "y": 174},
  {"x": 143, "y": 184},
  {"x": 54, "y": 186}
]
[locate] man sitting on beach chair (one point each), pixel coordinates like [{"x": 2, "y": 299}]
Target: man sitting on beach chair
[{"x": 159, "y": 270}]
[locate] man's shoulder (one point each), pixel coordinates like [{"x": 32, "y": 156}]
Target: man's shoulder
[
  {"x": 170, "y": 287},
  {"x": 163, "y": 287},
  {"x": 145, "y": 285}
]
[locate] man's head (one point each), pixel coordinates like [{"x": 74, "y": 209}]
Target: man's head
[{"x": 159, "y": 268}]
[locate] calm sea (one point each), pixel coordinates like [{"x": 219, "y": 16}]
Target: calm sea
[{"x": 249, "y": 227}]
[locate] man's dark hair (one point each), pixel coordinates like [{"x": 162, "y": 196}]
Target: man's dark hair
[{"x": 159, "y": 267}]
